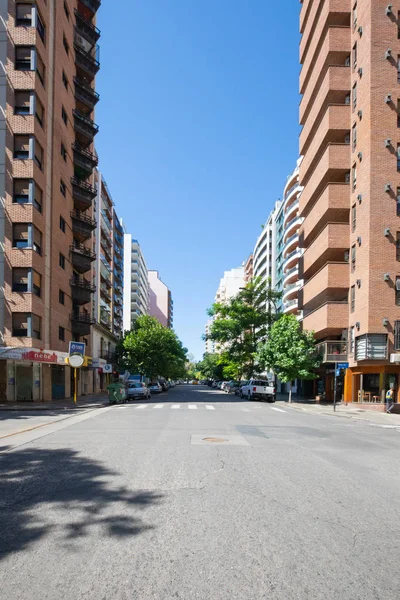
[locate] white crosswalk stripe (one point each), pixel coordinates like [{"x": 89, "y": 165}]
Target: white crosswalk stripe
[
  {"x": 158, "y": 406},
  {"x": 176, "y": 406},
  {"x": 142, "y": 406},
  {"x": 209, "y": 407},
  {"x": 192, "y": 406},
  {"x": 278, "y": 409}
]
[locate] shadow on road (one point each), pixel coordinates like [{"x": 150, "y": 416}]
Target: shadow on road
[{"x": 60, "y": 492}]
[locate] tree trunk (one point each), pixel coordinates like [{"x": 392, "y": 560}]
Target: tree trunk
[{"x": 290, "y": 390}]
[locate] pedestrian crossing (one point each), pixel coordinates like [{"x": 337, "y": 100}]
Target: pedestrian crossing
[{"x": 222, "y": 406}]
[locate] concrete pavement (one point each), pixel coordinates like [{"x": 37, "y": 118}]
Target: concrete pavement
[{"x": 197, "y": 494}]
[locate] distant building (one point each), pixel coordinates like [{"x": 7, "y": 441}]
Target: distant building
[
  {"x": 161, "y": 303},
  {"x": 230, "y": 284},
  {"x": 209, "y": 344},
  {"x": 248, "y": 269},
  {"x": 136, "y": 289}
]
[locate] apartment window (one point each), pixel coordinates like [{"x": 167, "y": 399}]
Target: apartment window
[
  {"x": 398, "y": 245},
  {"x": 21, "y": 235},
  {"x": 61, "y": 333},
  {"x": 398, "y": 113},
  {"x": 21, "y": 194},
  {"x": 63, "y": 152},
  {"x": 20, "y": 324},
  {"x": 64, "y": 115},
  {"x": 66, "y": 10},
  {"x": 36, "y": 326},
  {"x": 398, "y": 68},
  {"x": 65, "y": 43},
  {"x": 372, "y": 346},
  {"x": 23, "y": 58},
  {"x": 62, "y": 224},
  {"x": 23, "y": 14},
  {"x": 398, "y": 157},
  {"x": 397, "y": 335},
  {"x": 37, "y": 240},
  {"x": 39, "y": 112},
  {"x": 37, "y": 197},
  {"x": 36, "y": 283},
  {"x": 355, "y": 15},
  {"x": 61, "y": 261},
  {"x": 22, "y": 147},
  {"x": 23, "y": 102},
  {"x": 38, "y": 155},
  {"x": 353, "y": 217},
  {"x": 63, "y": 188},
  {"x": 20, "y": 278},
  {"x": 41, "y": 29},
  {"x": 354, "y": 136},
  {"x": 355, "y": 55},
  {"x": 354, "y": 96},
  {"x": 354, "y": 177},
  {"x": 40, "y": 69},
  {"x": 61, "y": 297},
  {"x": 397, "y": 291},
  {"x": 353, "y": 258},
  {"x": 65, "y": 80},
  {"x": 398, "y": 202},
  {"x": 351, "y": 346},
  {"x": 352, "y": 298}
]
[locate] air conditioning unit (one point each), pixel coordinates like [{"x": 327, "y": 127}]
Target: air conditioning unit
[{"x": 395, "y": 358}]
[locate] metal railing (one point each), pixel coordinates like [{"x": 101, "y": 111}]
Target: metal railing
[{"x": 332, "y": 351}]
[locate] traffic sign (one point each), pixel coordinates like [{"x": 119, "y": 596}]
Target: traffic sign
[
  {"x": 107, "y": 369},
  {"x": 343, "y": 365},
  {"x": 337, "y": 373},
  {"x": 76, "y": 360},
  {"x": 77, "y": 348}
]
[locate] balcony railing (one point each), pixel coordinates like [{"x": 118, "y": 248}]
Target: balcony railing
[
  {"x": 86, "y": 62},
  {"x": 85, "y": 128},
  {"x": 83, "y": 251},
  {"x": 83, "y": 191},
  {"x": 332, "y": 351},
  {"x": 92, "y": 5},
  {"x": 82, "y": 317},
  {"x": 85, "y": 94},
  {"x": 84, "y": 159},
  {"x": 86, "y": 28},
  {"x": 83, "y": 284}
]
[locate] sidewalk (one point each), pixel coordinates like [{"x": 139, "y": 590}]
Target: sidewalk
[{"x": 83, "y": 402}]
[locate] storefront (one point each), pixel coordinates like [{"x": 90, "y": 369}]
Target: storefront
[{"x": 368, "y": 385}]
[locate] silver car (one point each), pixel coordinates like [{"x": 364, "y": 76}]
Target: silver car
[{"x": 137, "y": 389}]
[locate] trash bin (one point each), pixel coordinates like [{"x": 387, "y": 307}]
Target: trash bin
[{"x": 116, "y": 393}]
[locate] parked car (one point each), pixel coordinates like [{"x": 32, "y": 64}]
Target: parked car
[
  {"x": 230, "y": 386},
  {"x": 136, "y": 389},
  {"x": 238, "y": 389},
  {"x": 259, "y": 388},
  {"x": 164, "y": 386},
  {"x": 155, "y": 388}
]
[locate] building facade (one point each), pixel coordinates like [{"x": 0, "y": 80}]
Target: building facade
[
  {"x": 350, "y": 142},
  {"x": 136, "y": 288},
  {"x": 264, "y": 263},
  {"x": 49, "y": 54},
  {"x": 248, "y": 269},
  {"x": 109, "y": 283},
  {"x": 161, "y": 303},
  {"x": 209, "y": 344}
]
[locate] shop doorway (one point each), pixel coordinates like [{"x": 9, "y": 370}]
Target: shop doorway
[
  {"x": 57, "y": 382},
  {"x": 24, "y": 383}
]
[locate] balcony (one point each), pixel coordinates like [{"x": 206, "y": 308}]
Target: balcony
[
  {"x": 329, "y": 246},
  {"x": 291, "y": 275},
  {"x": 104, "y": 291},
  {"x": 290, "y": 244},
  {"x": 328, "y": 320},
  {"x": 105, "y": 275},
  {"x": 290, "y": 211},
  {"x": 83, "y": 193},
  {"x": 86, "y": 65},
  {"x": 82, "y": 225},
  {"x": 86, "y": 97},
  {"x": 332, "y": 282},
  {"x": 85, "y": 129},
  {"x": 118, "y": 276},
  {"x": 118, "y": 300},
  {"x": 291, "y": 290},
  {"x": 81, "y": 322},
  {"x": 108, "y": 355},
  {"x": 332, "y": 351},
  {"x": 84, "y": 162},
  {"x": 291, "y": 307},
  {"x": 81, "y": 290},
  {"x": 82, "y": 257},
  {"x": 332, "y": 90},
  {"x": 86, "y": 29},
  {"x": 292, "y": 227},
  {"x": 332, "y": 206},
  {"x": 291, "y": 259},
  {"x": 92, "y": 6}
]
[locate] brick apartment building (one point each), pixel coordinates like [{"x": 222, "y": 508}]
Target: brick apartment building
[
  {"x": 350, "y": 203},
  {"x": 50, "y": 54}
]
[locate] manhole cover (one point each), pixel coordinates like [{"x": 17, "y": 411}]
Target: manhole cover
[{"x": 214, "y": 439}]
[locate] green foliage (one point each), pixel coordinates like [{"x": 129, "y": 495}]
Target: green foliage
[
  {"x": 152, "y": 350},
  {"x": 289, "y": 351},
  {"x": 242, "y": 323},
  {"x": 210, "y": 367}
]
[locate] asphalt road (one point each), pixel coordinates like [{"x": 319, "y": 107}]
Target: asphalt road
[{"x": 199, "y": 495}]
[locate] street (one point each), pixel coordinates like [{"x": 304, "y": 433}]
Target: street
[{"x": 197, "y": 494}]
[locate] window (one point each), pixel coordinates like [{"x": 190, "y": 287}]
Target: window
[
  {"x": 21, "y": 235},
  {"x": 354, "y": 136},
  {"x": 398, "y": 245},
  {"x": 354, "y": 177},
  {"x": 398, "y": 25},
  {"x": 372, "y": 346},
  {"x": 398, "y": 113},
  {"x": 21, "y": 193},
  {"x": 23, "y": 15},
  {"x": 351, "y": 348},
  {"x": 38, "y": 155},
  {"x": 355, "y": 55},
  {"x": 398, "y": 157},
  {"x": 23, "y": 102},
  {"x": 63, "y": 152},
  {"x": 62, "y": 261},
  {"x": 397, "y": 291},
  {"x": 40, "y": 69},
  {"x": 41, "y": 29},
  {"x": 398, "y": 68},
  {"x": 37, "y": 197},
  {"x": 62, "y": 224},
  {"x": 66, "y": 10},
  {"x": 65, "y": 80},
  {"x": 355, "y": 15},
  {"x": 354, "y": 96},
  {"x": 61, "y": 333},
  {"x": 64, "y": 115},
  {"x": 65, "y": 43},
  {"x": 353, "y": 217},
  {"x": 37, "y": 240},
  {"x": 352, "y": 298},
  {"x": 61, "y": 297},
  {"x": 39, "y": 112},
  {"x": 20, "y": 324},
  {"x": 36, "y": 283},
  {"x": 22, "y": 147},
  {"x": 397, "y": 335},
  {"x": 353, "y": 258},
  {"x": 63, "y": 188},
  {"x": 20, "y": 277},
  {"x": 36, "y": 323},
  {"x": 23, "y": 58}
]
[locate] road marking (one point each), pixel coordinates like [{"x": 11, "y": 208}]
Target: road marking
[
  {"x": 192, "y": 406},
  {"x": 278, "y": 409},
  {"x": 209, "y": 407},
  {"x": 158, "y": 406},
  {"x": 142, "y": 406},
  {"x": 176, "y": 406}
]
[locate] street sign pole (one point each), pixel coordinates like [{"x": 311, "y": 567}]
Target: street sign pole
[
  {"x": 75, "y": 361},
  {"x": 334, "y": 388},
  {"x": 74, "y": 385}
]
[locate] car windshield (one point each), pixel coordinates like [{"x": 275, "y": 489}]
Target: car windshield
[
  {"x": 135, "y": 385},
  {"x": 260, "y": 382}
]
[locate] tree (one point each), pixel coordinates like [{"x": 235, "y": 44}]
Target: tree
[
  {"x": 243, "y": 322},
  {"x": 289, "y": 351},
  {"x": 152, "y": 350}
]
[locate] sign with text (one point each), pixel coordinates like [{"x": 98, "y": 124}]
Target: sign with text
[
  {"x": 77, "y": 348},
  {"x": 343, "y": 365}
]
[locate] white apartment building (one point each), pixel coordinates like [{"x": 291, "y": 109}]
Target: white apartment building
[
  {"x": 209, "y": 344},
  {"x": 136, "y": 288},
  {"x": 230, "y": 284},
  {"x": 264, "y": 263}
]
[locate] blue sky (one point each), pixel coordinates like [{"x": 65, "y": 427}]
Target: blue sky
[{"x": 198, "y": 131}]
